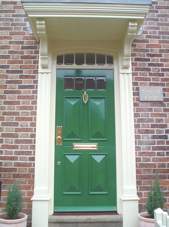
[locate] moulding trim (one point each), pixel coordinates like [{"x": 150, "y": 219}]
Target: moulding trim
[
  {"x": 85, "y": 10},
  {"x": 129, "y": 198},
  {"x": 40, "y": 198}
]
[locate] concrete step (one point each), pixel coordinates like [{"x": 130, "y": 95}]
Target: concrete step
[{"x": 86, "y": 220}]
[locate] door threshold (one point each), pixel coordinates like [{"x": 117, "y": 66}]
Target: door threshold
[{"x": 86, "y": 213}]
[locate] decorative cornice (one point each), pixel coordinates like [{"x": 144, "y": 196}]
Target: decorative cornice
[
  {"x": 128, "y": 11},
  {"x": 131, "y": 33},
  {"x": 43, "y": 50}
]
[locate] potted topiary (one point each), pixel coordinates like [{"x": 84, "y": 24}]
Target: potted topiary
[
  {"x": 155, "y": 200},
  {"x": 12, "y": 217}
]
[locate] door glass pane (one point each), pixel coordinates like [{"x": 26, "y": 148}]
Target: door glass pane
[
  {"x": 79, "y": 83},
  {"x": 90, "y": 59},
  {"x": 68, "y": 83},
  {"x": 90, "y": 83},
  {"x": 101, "y": 83}
]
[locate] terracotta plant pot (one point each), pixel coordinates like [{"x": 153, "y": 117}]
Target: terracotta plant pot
[
  {"x": 145, "y": 221},
  {"x": 20, "y": 222}
]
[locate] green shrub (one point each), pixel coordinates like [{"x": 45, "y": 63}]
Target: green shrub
[
  {"x": 14, "y": 202},
  {"x": 155, "y": 198}
]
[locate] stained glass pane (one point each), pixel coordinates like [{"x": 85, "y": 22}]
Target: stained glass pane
[
  {"x": 90, "y": 83},
  {"x": 68, "y": 83},
  {"x": 79, "y": 83},
  {"x": 101, "y": 83}
]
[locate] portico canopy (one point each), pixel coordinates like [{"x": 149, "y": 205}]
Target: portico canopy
[{"x": 115, "y": 14}]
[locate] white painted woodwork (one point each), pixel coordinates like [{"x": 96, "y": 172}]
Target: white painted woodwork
[
  {"x": 129, "y": 196},
  {"x": 43, "y": 49},
  {"x": 127, "y": 11},
  {"x": 40, "y": 200}
]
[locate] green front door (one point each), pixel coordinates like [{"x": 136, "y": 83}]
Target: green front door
[{"x": 85, "y": 163}]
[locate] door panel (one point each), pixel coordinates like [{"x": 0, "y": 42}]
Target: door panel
[
  {"x": 97, "y": 118},
  {"x": 72, "y": 114},
  {"x": 85, "y": 177},
  {"x": 99, "y": 178},
  {"x": 71, "y": 164}
]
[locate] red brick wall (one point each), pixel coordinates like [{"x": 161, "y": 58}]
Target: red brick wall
[
  {"x": 18, "y": 94},
  {"x": 151, "y": 68}
]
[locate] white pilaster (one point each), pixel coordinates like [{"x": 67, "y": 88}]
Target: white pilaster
[
  {"x": 40, "y": 199},
  {"x": 129, "y": 192},
  {"x": 129, "y": 196}
]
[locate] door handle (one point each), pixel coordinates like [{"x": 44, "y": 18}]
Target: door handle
[{"x": 59, "y": 135}]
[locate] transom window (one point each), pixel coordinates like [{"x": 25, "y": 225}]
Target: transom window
[{"x": 84, "y": 59}]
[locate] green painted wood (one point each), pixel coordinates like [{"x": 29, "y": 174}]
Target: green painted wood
[
  {"x": 85, "y": 180},
  {"x": 97, "y": 117},
  {"x": 72, "y": 105}
]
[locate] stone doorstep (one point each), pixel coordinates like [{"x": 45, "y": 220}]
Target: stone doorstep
[{"x": 86, "y": 218}]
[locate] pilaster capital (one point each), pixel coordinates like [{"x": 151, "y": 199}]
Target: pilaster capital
[
  {"x": 131, "y": 33},
  {"x": 43, "y": 50}
]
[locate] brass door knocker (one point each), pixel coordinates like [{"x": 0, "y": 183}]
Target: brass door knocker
[{"x": 85, "y": 97}]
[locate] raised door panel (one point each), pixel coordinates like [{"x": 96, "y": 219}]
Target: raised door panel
[
  {"x": 97, "y": 119},
  {"x": 98, "y": 178},
  {"x": 72, "y": 118},
  {"x": 71, "y": 178}
]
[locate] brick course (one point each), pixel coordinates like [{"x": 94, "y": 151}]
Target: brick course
[
  {"x": 18, "y": 95},
  {"x": 150, "y": 58}
]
